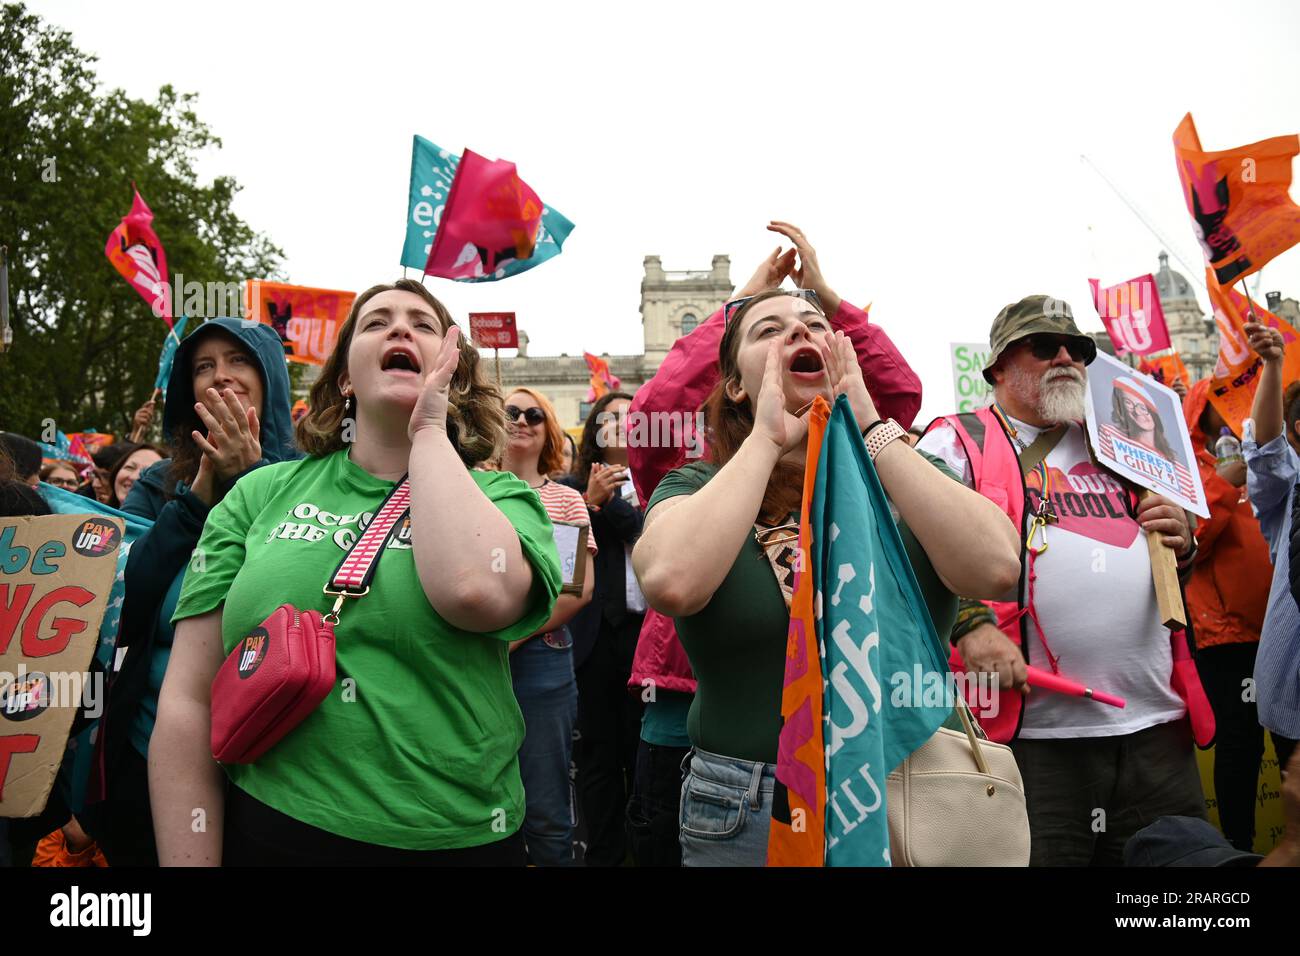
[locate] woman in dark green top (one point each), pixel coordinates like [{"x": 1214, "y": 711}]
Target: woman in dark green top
[{"x": 700, "y": 561}]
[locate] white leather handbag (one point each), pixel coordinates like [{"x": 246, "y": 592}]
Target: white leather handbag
[{"x": 958, "y": 800}]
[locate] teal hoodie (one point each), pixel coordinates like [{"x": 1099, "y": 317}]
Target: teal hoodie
[{"x": 157, "y": 563}]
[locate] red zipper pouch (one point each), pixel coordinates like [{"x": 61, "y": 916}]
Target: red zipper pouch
[{"x": 276, "y": 675}]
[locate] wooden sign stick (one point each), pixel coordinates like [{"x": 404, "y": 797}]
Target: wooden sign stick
[{"x": 1164, "y": 574}]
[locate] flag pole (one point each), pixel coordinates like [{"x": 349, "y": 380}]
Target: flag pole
[
  {"x": 138, "y": 432},
  {"x": 1250, "y": 306},
  {"x": 497, "y": 354}
]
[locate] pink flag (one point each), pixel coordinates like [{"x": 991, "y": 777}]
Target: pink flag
[
  {"x": 1132, "y": 315},
  {"x": 491, "y": 217},
  {"x": 136, "y": 252}
]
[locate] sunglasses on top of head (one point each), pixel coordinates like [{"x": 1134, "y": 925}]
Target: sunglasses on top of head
[
  {"x": 735, "y": 305},
  {"x": 1047, "y": 347},
  {"x": 533, "y": 416}
]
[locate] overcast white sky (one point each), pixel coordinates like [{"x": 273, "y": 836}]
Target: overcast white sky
[{"x": 930, "y": 151}]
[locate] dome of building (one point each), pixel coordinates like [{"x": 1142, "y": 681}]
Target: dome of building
[{"x": 1171, "y": 285}]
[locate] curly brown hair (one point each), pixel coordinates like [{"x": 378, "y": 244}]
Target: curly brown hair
[
  {"x": 729, "y": 422},
  {"x": 476, "y": 422}
]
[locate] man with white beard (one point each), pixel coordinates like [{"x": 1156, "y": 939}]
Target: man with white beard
[{"x": 1085, "y": 607}]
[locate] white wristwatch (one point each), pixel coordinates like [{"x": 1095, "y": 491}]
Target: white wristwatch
[{"x": 881, "y": 435}]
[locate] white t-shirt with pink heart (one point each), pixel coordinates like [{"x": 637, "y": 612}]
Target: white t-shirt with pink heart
[{"x": 1093, "y": 595}]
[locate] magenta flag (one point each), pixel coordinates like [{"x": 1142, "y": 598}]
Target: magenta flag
[
  {"x": 492, "y": 217},
  {"x": 136, "y": 252},
  {"x": 1132, "y": 315}
]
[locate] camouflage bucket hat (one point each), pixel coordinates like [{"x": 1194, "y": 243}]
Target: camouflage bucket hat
[{"x": 1033, "y": 314}]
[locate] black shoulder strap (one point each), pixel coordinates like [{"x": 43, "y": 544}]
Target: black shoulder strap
[{"x": 974, "y": 426}]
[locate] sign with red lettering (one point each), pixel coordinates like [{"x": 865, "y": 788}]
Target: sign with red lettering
[
  {"x": 1138, "y": 431},
  {"x": 55, "y": 575},
  {"x": 493, "y": 330}
]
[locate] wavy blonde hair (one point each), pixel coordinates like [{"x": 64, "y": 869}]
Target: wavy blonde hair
[{"x": 476, "y": 420}]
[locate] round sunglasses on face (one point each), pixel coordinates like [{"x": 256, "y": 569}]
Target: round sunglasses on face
[{"x": 533, "y": 416}]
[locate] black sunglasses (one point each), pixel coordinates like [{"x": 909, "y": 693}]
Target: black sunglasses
[
  {"x": 533, "y": 416},
  {"x": 1047, "y": 347}
]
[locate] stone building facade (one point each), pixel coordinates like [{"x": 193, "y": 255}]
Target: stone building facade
[{"x": 672, "y": 304}]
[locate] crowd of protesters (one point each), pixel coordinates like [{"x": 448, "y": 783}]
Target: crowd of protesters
[{"x": 488, "y": 713}]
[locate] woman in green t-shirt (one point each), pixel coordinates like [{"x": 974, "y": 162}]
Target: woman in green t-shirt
[
  {"x": 711, "y": 555},
  {"x": 412, "y": 758}
]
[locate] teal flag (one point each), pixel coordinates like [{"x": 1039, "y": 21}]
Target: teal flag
[
  {"x": 61, "y": 450},
  {"x": 432, "y": 170},
  {"x": 170, "y": 345},
  {"x": 877, "y": 638},
  {"x": 74, "y": 775}
]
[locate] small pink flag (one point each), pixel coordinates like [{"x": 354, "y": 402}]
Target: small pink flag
[
  {"x": 492, "y": 216},
  {"x": 136, "y": 252},
  {"x": 1132, "y": 314}
]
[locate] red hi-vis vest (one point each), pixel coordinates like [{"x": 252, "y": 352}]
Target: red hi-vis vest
[{"x": 996, "y": 470}]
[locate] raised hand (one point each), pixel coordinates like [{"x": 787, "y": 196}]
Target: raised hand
[
  {"x": 808, "y": 273},
  {"x": 1267, "y": 342},
  {"x": 771, "y": 272},
  {"x": 603, "y": 482},
  {"x": 431, "y": 407},
  {"x": 233, "y": 442},
  {"x": 845, "y": 378},
  {"x": 771, "y": 420}
]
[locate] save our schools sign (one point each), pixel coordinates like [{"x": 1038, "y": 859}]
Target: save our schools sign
[
  {"x": 969, "y": 387},
  {"x": 55, "y": 575}
]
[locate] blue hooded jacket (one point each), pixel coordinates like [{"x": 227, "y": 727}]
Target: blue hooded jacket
[{"x": 157, "y": 563}]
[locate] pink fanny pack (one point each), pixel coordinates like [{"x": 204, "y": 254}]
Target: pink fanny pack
[{"x": 282, "y": 670}]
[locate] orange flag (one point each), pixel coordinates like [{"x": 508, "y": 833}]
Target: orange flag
[
  {"x": 1166, "y": 368},
  {"x": 1238, "y": 200},
  {"x": 798, "y": 833},
  {"x": 601, "y": 379},
  {"x": 1232, "y": 386}
]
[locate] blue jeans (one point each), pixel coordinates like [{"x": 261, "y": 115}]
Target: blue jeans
[
  {"x": 726, "y": 810},
  {"x": 548, "y": 696}
]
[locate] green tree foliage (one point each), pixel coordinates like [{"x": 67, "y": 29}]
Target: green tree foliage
[{"x": 85, "y": 344}]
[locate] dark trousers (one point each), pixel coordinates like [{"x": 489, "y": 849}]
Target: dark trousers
[
  {"x": 1239, "y": 739},
  {"x": 609, "y": 729},
  {"x": 1284, "y": 747},
  {"x": 1087, "y": 796},
  {"x": 652, "y": 813},
  {"x": 258, "y": 835},
  {"x": 122, "y": 824}
]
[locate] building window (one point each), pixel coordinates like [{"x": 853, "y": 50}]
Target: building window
[
  {"x": 584, "y": 409},
  {"x": 689, "y": 322}
]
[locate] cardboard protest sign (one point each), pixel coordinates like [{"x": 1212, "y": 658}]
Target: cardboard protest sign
[
  {"x": 307, "y": 320},
  {"x": 55, "y": 576},
  {"x": 1138, "y": 431},
  {"x": 493, "y": 330},
  {"x": 969, "y": 386},
  {"x": 571, "y": 541}
]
